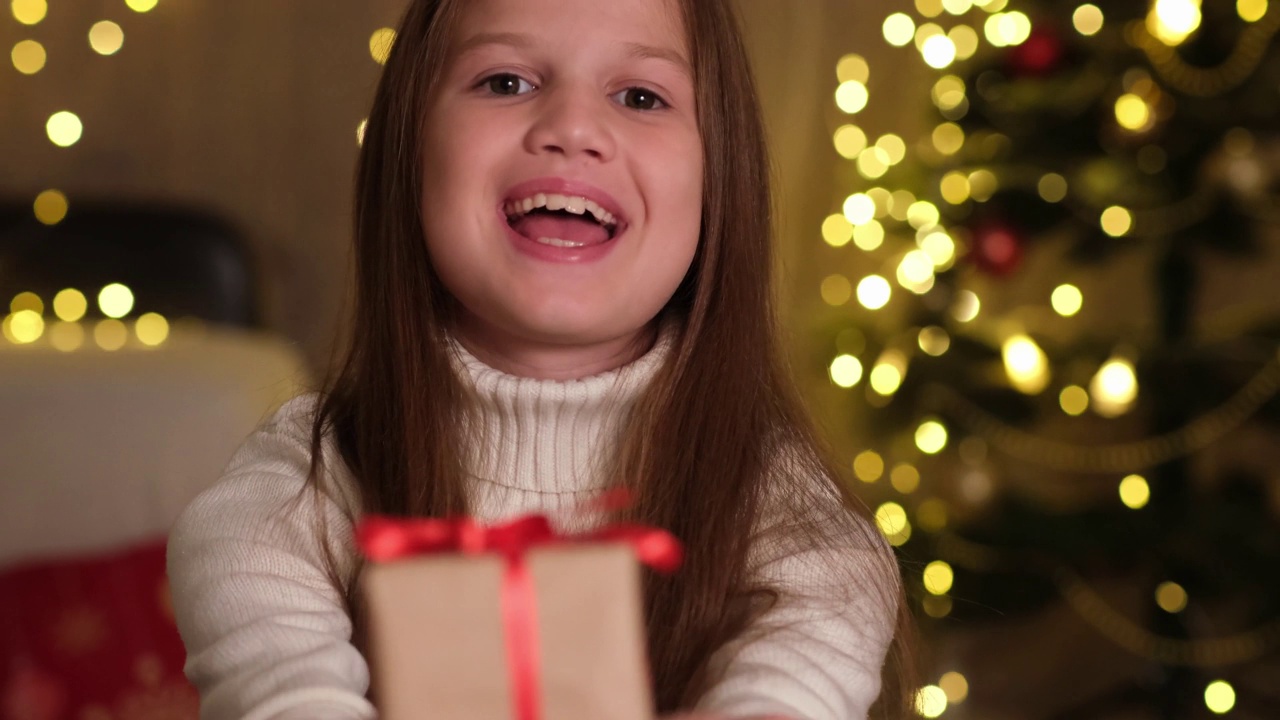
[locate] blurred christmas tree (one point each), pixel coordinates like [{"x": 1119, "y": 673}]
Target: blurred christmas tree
[{"x": 1037, "y": 452}]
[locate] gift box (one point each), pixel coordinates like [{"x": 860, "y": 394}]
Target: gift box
[{"x": 472, "y": 623}]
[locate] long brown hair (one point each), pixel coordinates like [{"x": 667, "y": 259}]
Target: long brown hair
[{"x": 719, "y": 449}]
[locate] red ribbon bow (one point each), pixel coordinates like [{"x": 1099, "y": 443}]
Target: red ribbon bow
[{"x": 383, "y": 539}]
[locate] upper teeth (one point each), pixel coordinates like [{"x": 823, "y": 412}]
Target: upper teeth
[{"x": 569, "y": 203}]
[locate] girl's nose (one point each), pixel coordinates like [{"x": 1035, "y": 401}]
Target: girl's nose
[{"x": 572, "y": 123}]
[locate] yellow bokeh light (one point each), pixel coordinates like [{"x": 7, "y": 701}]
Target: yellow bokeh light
[
  {"x": 931, "y": 701},
  {"x": 28, "y": 57},
  {"x": 883, "y": 199},
  {"x": 837, "y": 230},
  {"x": 915, "y": 272},
  {"x": 152, "y": 329},
  {"x": 1025, "y": 364},
  {"x": 1251, "y": 10},
  {"x": 934, "y": 340},
  {"x": 982, "y": 184},
  {"x": 868, "y": 236},
  {"x": 891, "y": 518},
  {"x": 29, "y": 12},
  {"x": 905, "y": 478},
  {"x": 26, "y": 326},
  {"x": 859, "y": 208},
  {"x": 938, "y": 51},
  {"x": 873, "y": 163},
  {"x": 140, "y": 5},
  {"x": 380, "y": 43},
  {"x": 899, "y": 29},
  {"x": 26, "y": 301},
  {"x": 940, "y": 248},
  {"x": 931, "y": 515},
  {"x": 66, "y": 336},
  {"x": 966, "y": 306},
  {"x": 70, "y": 305},
  {"x": 936, "y": 606},
  {"x": 931, "y": 437},
  {"x": 846, "y": 371},
  {"x": 851, "y": 96},
  {"x": 106, "y": 37},
  {"x": 923, "y": 214},
  {"x": 836, "y": 290},
  {"x": 957, "y": 7},
  {"x": 893, "y": 146},
  {"x": 853, "y": 67},
  {"x": 5, "y": 331},
  {"x": 115, "y": 300},
  {"x": 873, "y": 292},
  {"x": 1114, "y": 388},
  {"x": 1135, "y": 492},
  {"x": 110, "y": 334},
  {"x": 1067, "y": 300},
  {"x": 948, "y": 92},
  {"x": 1171, "y": 597},
  {"x": 954, "y": 187},
  {"x": 1116, "y": 221},
  {"x": 1133, "y": 113},
  {"x": 886, "y": 379},
  {"x": 965, "y": 40},
  {"x": 929, "y": 8},
  {"x": 64, "y": 128},
  {"x": 955, "y": 686},
  {"x": 1087, "y": 19},
  {"x": 948, "y": 138},
  {"x": 926, "y": 31},
  {"x": 868, "y": 466},
  {"x": 1073, "y": 400},
  {"x": 50, "y": 207},
  {"x": 1052, "y": 187},
  {"x": 938, "y": 577},
  {"x": 1173, "y": 21},
  {"x": 849, "y": 141},
  {"x": 1220, "y": 697}
]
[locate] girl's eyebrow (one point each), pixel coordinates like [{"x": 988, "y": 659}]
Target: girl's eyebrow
[{"x": 523, "y": 41}]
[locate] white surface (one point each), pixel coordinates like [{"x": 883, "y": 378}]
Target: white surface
[{"x": 101, "y": 449}]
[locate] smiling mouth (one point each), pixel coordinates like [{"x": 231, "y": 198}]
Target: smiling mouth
[{"x": 561, "y": 220}]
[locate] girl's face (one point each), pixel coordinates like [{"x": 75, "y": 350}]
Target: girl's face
[{"x": 562, "y": 178}]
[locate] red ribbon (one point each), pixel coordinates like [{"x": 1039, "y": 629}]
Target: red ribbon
[{"x": 384, "y": 539}]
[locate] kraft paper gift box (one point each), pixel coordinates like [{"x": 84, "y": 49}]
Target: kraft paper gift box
[{"x": 439, "y": 645}]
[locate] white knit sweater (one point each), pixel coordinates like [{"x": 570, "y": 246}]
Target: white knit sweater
[{"x": 265, "y": 629}]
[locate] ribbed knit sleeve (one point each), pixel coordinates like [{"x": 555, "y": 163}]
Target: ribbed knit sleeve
[{"x": 266, "y": 632}]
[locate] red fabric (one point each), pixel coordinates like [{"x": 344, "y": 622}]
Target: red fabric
[{"x": 92, "y": 638}]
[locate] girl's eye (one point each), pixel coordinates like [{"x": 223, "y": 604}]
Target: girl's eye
[
  {"x": 507, "y": 84},
  {"x": 638, "y": 98}
]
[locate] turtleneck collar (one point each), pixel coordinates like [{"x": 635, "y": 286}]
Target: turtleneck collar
[{"x": 548, "y": 436}]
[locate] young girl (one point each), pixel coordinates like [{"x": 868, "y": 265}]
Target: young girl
[{"x": 563, "y": 284}]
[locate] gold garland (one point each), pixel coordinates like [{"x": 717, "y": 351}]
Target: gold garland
[
  {"x": 1207, "y": 82},
  {"x": 1118, "y": 457}
]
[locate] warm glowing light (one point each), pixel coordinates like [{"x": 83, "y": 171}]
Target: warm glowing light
[
  {"x": 954, "y": 187},
  {"x": 849, "y": 141},
  {"x": 868, "y": 466},
  {"x": 152, "y": 329},
  {"x": 70, "y": 305},
  {"x": 948, "y": 138},
  {"x": 1116, "y": 221},
  {"x": 50, "y": 207},
  {"x": 923, "y": 214},
  {"x": 1087, "y": 19},
  {"x": 28, "y": 57},
  {"x": 883, "y": 199},
  {"x": 957, "y": 7},
  {"x": 899, "y": 29},
  {"x": 110, "y": 334},
  {"x": 846, "y": 371},
  {"x": 929, "y": 8},
  {"x": 948, "y": 92},
  {"x": 1074, "y": 400},
  {"x": 965, "y": 40},
  {"x": 900, "y": 203},
  {"x": 893, "y": 146},
  {"x": 26, "y": 326},
  {"x": 1052, "y": 187},
  {"x": 66, "y": 336},
  {"x": 938, "y": 577},
  {"x": 1066, "y": 300},
  {"x": 1173, "y": 21},
  {"x": 1025, "y": 364},
  {"x": 1251, "y": 10},
  {"x": 889, "y": 372},
  {"x": 836, "y": 290},
  {"x": 931, "y": 515},
  {"x": 873, "y": 163},
  {"x": 915, "y": 272},
  {"x": 364, "y": 125},
  {"x": 934, "y": 340},
  {"x": 837, "y": 230},
  {"x": 939, "y": 247},
  {"x": 1007, "y": 29},
  {"x": 29, "y": 12},
  {"x": 891, "y": 518},
  {"x": 1220, "y": 697},
  {"x": 1171, "y": 597},
  {"x": 982, "y": 184},
  {"x": 931, "y": 437},
  {"x": 140, "y": 5},
  {"x": 905, "y": 478},
  {"x": 938, "y": 51},
  {"x": 1114, "y": 388},
  {"x": 931, "y": 701},
  {"x": 380, "y": 44},
  {"x": 955, "y": 686},
  {"x": 853, "y": 67},
  {"x": 1135, "y": 492},
  {"x": 1133, "y": 113},
  {"x": 27, "y": 301},
  {"x": 936, "y": 606},
  {"x": 106, "y": 37},
  {"x": 868, "y": 236},
  {"x": 859, "y": 208},
  {"x": 873, "y": 292},
  {"x": 966, "y": 306},
  {"x": 64, "y": 128},
  {"x": 851, "y": 96},
  {"x": 115, "y": 300}
]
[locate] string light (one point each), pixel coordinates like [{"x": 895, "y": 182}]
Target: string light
[
  {"x": 115, "y": 300},
  {"x": 1116, "y": 221},
  {"x": 966, "y": 306},
  {"x": 66, "y": 336},
  {"x": 1052, "y": 187},
  {"x": 965, "y": 40},
  {"x": 1135, "y": 492},
  {"x": 904, "y": 478},
  {"x": 70, "y": 305},
  {"x": 836, "y": 290},
  {"x": 64, "y": 128},
  {"x": 982, "y": 185},
  {"x": 1007, "y": 29},
  {"x": 954, "y": 187},
  {"x": 1066, "y": 300},
  {"x": 26, "y": 301},
  {"x": 152, "y": 329},
  {"x": 873, "y": 292},
  {"x": 1171, "y": 597},
  {"x": 110, "y": 334},
  {"x": 892, "y": 521},
  {"x": 938, "y": 577},
  {"x": 934, "y": 341},
  {"x": 1133, "y": 113},
  {"x": 895, "y": 149},
  {"x": 1073, "y": 400},
  {"x": 26, "y": 326},
  {"x": 931, "y": 437},
  {"x": 140, "y": 5},
  {"x": 851, "y": 96},
  {"x": 1087, "y": 19},
  {"x": 28, "y": 57},
  {"x": 106, "y": 37},
  {"x": 939, "y": 248},
  {"x": 915, "y": 272},
  {"x": 938, "y": 51},
  {"x": 1025, "y": 364},
  {"x": 1114, "y": 388},
  {"x": 1251, "y": 10},
  {"x": 873, "y": 163},
  {"x": 859, "y": 208},
  {"x": 931, "y": 701},
  {"x": 889, "y": 372},
  {"x": 849, "y": 141},
  {"x": 957, "y": 7},
  {"x": 1220, "y": 697},
  {"x": 931, "y": 515},
  {"x": 955, "y": 686},
  {"x": 837, "y": 230},
  {"x": 899, "y": 29},
  {"x": 869, "y": 235},
  {"x": 380, "y": 43},
  {"x": 50, "y": 207},
  {"x": 29, "y": 12},
  {"x": 929, "y": 8},
  {"x": 868, "y": 466},
  {"x": 1173, "y": 21},
  {"x": 853, "y": 67}
]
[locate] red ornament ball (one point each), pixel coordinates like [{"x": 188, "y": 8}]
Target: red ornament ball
[
  {"x": 997, "y": 248},
  {"x": 1040, "y": 54}
]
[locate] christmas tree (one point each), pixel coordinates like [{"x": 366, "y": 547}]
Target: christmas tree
[{"x": 1048, "y": 411}]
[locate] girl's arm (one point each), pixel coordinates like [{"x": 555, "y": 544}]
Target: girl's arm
[{"x": 266, "y": 631}]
